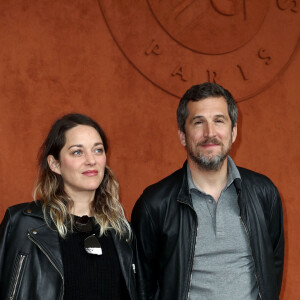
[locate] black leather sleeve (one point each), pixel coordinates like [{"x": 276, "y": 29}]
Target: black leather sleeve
[
  {"x": 147, "y": 246},
  {"x": 4, "y": 233},
  {"x": 140, "y": 284},
  {"x": 277, "y": 234}
]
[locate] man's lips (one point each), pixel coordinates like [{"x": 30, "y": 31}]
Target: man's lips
[
  {"x": 210, "y": 143},
  {"x": 90, "y": 173}
]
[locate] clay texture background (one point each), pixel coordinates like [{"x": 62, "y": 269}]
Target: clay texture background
[{"x": 58, "y": 57}]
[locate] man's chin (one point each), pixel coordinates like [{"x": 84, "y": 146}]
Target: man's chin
[
  {"x": 210, "y": 162},
  {"x": 211, "y": 157}
]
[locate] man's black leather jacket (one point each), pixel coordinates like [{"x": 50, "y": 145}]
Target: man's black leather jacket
[
  {"x": 165, "y": 225},
  {"x": 30, "y": 259}
]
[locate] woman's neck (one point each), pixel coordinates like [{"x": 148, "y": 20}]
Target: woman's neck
[{"x": 82, "y": 203}]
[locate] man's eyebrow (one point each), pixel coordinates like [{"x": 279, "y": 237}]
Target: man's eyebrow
[
  {"x": 215, "y": 116},
  {"x": 198, "y": 117},
  {"x": 221, "y": 116}
]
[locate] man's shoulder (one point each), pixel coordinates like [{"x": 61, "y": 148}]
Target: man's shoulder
[
  {"x": 158, "y": 197},
  {"x": 257, "y": 183},
  {"x": 250, "y": 176},
  {"x": 166, "y": 187}
]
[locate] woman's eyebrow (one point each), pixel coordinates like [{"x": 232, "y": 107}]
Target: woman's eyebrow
[{"x": 81, "y": 146}]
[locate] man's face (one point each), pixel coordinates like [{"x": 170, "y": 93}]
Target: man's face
[{"x": 208, "y": 132}]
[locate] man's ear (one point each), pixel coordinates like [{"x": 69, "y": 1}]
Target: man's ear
[
  {"x": 53, "y": 164},
  {"x": 234, "y": 133},
  {"x": 182, "y": 137}
]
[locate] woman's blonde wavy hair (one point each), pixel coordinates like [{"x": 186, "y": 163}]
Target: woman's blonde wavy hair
[{"x": 49, "y": 187}]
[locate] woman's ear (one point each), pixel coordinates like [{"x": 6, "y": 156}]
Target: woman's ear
[{"x": 53, "y": 164}]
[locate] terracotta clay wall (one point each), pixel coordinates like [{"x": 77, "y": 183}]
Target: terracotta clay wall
[{"x": 66, "y": 56}]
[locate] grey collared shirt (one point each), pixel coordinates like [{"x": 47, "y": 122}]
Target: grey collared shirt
[{"x": 223, "y": 266}]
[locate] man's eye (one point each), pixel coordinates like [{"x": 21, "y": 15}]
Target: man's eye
[{"x": 220, "y": 121}]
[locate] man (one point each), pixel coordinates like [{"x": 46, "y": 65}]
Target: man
[{"x": 210, "y": 230}]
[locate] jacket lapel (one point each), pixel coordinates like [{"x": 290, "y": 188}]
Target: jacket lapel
[
  {"x": 125, "y": 256},
  {"x": 45, "y": 238}
]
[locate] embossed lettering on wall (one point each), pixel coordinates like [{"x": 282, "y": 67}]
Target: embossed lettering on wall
[
  {"x": 288, "y": 5},
  {"x": 153, "y": 48},
  {"x": 241, "y": 44}
]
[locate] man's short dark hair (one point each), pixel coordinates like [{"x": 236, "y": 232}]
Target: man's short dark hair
[{"x": 200, "y": 92}]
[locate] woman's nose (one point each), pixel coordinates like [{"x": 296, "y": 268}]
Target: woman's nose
[{"x": 90, "y": 159}]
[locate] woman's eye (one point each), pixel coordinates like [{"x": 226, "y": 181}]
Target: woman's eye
[
  {"x": 77, "y": 152},
  {"x": 99, "y": 150}
]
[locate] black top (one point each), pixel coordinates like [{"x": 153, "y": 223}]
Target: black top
[{"x": 89, "y": 276}]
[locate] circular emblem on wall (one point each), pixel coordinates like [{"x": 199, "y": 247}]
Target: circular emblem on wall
[{"x": 240, "y": 44}]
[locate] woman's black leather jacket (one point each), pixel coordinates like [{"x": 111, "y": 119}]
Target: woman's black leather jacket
[
  {"x": 165, "y": 225},
  {"x": 30, "y": 260}
]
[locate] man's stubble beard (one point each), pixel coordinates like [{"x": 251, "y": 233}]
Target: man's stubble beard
[{"x": 213, "y": 162}]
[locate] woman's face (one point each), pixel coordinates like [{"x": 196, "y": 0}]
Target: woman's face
[{"x": 82, "y": 160}]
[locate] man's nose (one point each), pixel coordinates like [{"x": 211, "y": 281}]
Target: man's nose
[{"x": 209, "y": 130}]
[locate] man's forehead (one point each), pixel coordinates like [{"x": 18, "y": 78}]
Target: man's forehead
[
  {"x": 210, "y": 98},
  {"x": 210, "y": 103}
]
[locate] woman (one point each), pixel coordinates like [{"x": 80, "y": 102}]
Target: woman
[{"x": 75, "y": 242}]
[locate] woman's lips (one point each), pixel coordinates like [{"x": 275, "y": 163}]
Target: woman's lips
[{"x": 90, "y": 173}]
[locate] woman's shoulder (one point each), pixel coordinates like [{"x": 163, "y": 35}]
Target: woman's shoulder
[
  {"x": 16, "y": 220},
  {"x": 17, "y": 212},
  {"x": 26, "y": 207}
]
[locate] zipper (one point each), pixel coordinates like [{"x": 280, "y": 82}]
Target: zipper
[
  {"x": 248, "y": 236},
  {"x": 193, "y": 253},
  {"x": 255, "y": 272},
  {"x": 31, "y": 238},
  {"x": 133, "y": 268},
  {"x": 190, "y": 283},
  {"x": 20, "y": 265}
]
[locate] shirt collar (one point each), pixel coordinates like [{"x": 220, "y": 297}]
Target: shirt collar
[{"x": 233, "y": 174}]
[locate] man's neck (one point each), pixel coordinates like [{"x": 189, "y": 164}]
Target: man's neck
[{"x": 211, "y": 182}]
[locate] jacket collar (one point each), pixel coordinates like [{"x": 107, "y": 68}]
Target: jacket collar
[
  {"x": 238, "y": 185},
  {"x": 184, "y": 193},
  {"x": 43, "y": 236},
  {"x": 34, "y": 209},
  {"x": 48, "y": 241}
]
